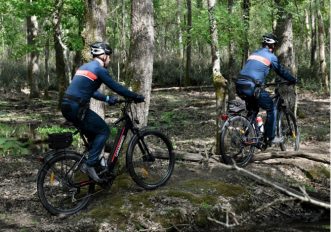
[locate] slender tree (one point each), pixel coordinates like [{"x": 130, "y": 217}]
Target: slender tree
[
  {"x": 232, "y": 62},
  {"x": 46, "y": 76},
  {"x": 308, "y": 32},
  {"x": 313, "y": 51},
  {"x": 33, "y": 56},
  {"x": 218, "y": 80},
  {"x": 246, "y": 8},
  {"x": 187, "y": 78},
  {"x": 60, "y": 49},
  {"x": 321, "y": 47},
  {"x": 180, "y": 49},
  {"x": 140, "y": 64},
  {"x": 96, "y": 13}
]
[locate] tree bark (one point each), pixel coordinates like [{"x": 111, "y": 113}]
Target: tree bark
[
  {"x": 180, "y": 50},
  {"x": 187, "y": 78},
  {"x": 232, "y": 62},
  {"x": 60, "y": 48},
  {"x": 218, "y": 79},
  {"x": 33, "y": 57},
  {"x": 313, "y": 51},
  {"x": 96, "y": 13},
  {"x": 284, "y": 32},
  {"x": 141, "y": 57},
  {"x": 246, "y": 9},
  {"x": 308, "y": 31},
  {"x": 46, "y": 76},
  {"x": 321, "y": 47}
]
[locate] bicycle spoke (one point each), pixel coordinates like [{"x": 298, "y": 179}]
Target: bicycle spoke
[
  {"x": 237, "y": 141},
  {"x": 150, "y": 160},
  {"x": 62, "y": 187}
]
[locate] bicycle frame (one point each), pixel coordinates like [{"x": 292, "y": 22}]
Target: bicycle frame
[
  {"x": 118, "y": 142},
  {"x": 251, "y": 116},
  {"x": 120, "y": 137}
]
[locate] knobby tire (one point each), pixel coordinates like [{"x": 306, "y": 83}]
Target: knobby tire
[
  {"x": 59, "y": 184},
  {"x": 235, "y": 132},
  {"x": 150, "y": 159}
]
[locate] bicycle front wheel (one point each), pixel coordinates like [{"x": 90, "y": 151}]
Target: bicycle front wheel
[
  {"x": 62, "y": 188},
  {"x": 288, "y": 129},
  {"x": 238, "y": 141},
  {"x": 150, "y": 159}
]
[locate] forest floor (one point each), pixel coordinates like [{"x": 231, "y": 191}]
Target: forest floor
[{"x": 199, "y": 196}]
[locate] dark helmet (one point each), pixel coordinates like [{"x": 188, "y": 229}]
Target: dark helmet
[
  {"x": 99, "y": 48},
  {"x": 269, "y": 39}
]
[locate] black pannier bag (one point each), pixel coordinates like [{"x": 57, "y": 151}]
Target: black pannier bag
[
  {"x": 59, "y": 140},
  {"x": 236, "y": 106}
]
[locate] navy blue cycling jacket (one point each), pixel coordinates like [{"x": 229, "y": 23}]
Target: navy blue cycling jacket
[
  {"x": 259, "y": 63},
  {"x": 88, "y": 79}
]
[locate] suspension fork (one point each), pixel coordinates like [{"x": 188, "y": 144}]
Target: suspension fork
[{"x": 147, "y": 156}]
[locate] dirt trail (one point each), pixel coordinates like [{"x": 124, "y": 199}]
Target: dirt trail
[{"x": 188, "y": 118}]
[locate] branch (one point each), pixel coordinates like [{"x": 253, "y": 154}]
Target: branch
[
  {"x": 292, "y": 154},
  {"x": 291, "y": 192}
]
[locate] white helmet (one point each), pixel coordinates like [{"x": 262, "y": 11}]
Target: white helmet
[
  {"x": 99, "y": 48},
  {"x": 269, "y": 39}
]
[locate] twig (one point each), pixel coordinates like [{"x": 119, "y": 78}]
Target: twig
[
  {"x": 221, "y": 223},
  {"x": 280, "y": 200}
]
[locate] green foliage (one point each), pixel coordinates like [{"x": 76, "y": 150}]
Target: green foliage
[
  {"x": 10, "y": 142},
  {"x": 168, "y": 69},
  {"x": 44, "y": 131},
  {"x": 11, "y": 146}
]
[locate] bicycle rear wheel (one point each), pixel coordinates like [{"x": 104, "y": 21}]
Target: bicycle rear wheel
[
  {"x": 62, "y": 188},
  {"x": 150, "y": 159},
  {"x": 287, "y": 127},
  {"x": 238, "y": 141}
]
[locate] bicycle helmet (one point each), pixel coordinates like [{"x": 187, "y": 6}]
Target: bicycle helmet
[
  {"x": 99, "y": 48},
  {"x": 269, "y": 39}
]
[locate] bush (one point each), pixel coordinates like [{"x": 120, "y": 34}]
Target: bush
[{"x": 12, "y": 75}]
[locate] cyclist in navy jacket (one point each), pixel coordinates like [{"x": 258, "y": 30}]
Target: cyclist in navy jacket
[
  {"x": 254, "y": 73},
  {"x": 75, "y": 103}
]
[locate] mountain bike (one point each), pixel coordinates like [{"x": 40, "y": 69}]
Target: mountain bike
[
  {"x": 64, "y": 189},
  {"x": 240, "y": 135}
]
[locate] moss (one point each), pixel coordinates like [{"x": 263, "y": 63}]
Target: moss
[
  {"x": 318, "y": 172},
  {"x": 214, "y": 187}
]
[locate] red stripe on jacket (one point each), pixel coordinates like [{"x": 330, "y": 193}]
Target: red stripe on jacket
[
  {"x": 260, "y": 58},
  {"x": 90, "y": 75}
]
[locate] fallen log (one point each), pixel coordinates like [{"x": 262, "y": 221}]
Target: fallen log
[{"x": 290, "y": 155}]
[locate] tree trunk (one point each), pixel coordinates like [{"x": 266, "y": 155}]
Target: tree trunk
[
  {"x": 218, "y": 80},
  {"x": 321, "y": 46},
  {"x": 180, "y": 51},
  {"x": 232, "y": 62},
  {"x": 285, "y": 51},
  {"x": 313, "y": 51},
  {"x": 96, "y": 13},
  {"x": 308, "y": 32},
  {"x": 78, "y": 58},
  {"x": 59, "y": 51},
  {"x": 140, "y": 64},
  {"x": 46, "y": 77},
  {"x": 187, "y": 78},
  {"x": 33, "y": 57},
  {"x": 246, "y": 9}
]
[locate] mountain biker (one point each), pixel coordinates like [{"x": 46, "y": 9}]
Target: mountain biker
[
  {"x": 252, "y": 75},
  {"x": 75, "y": 103}
]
